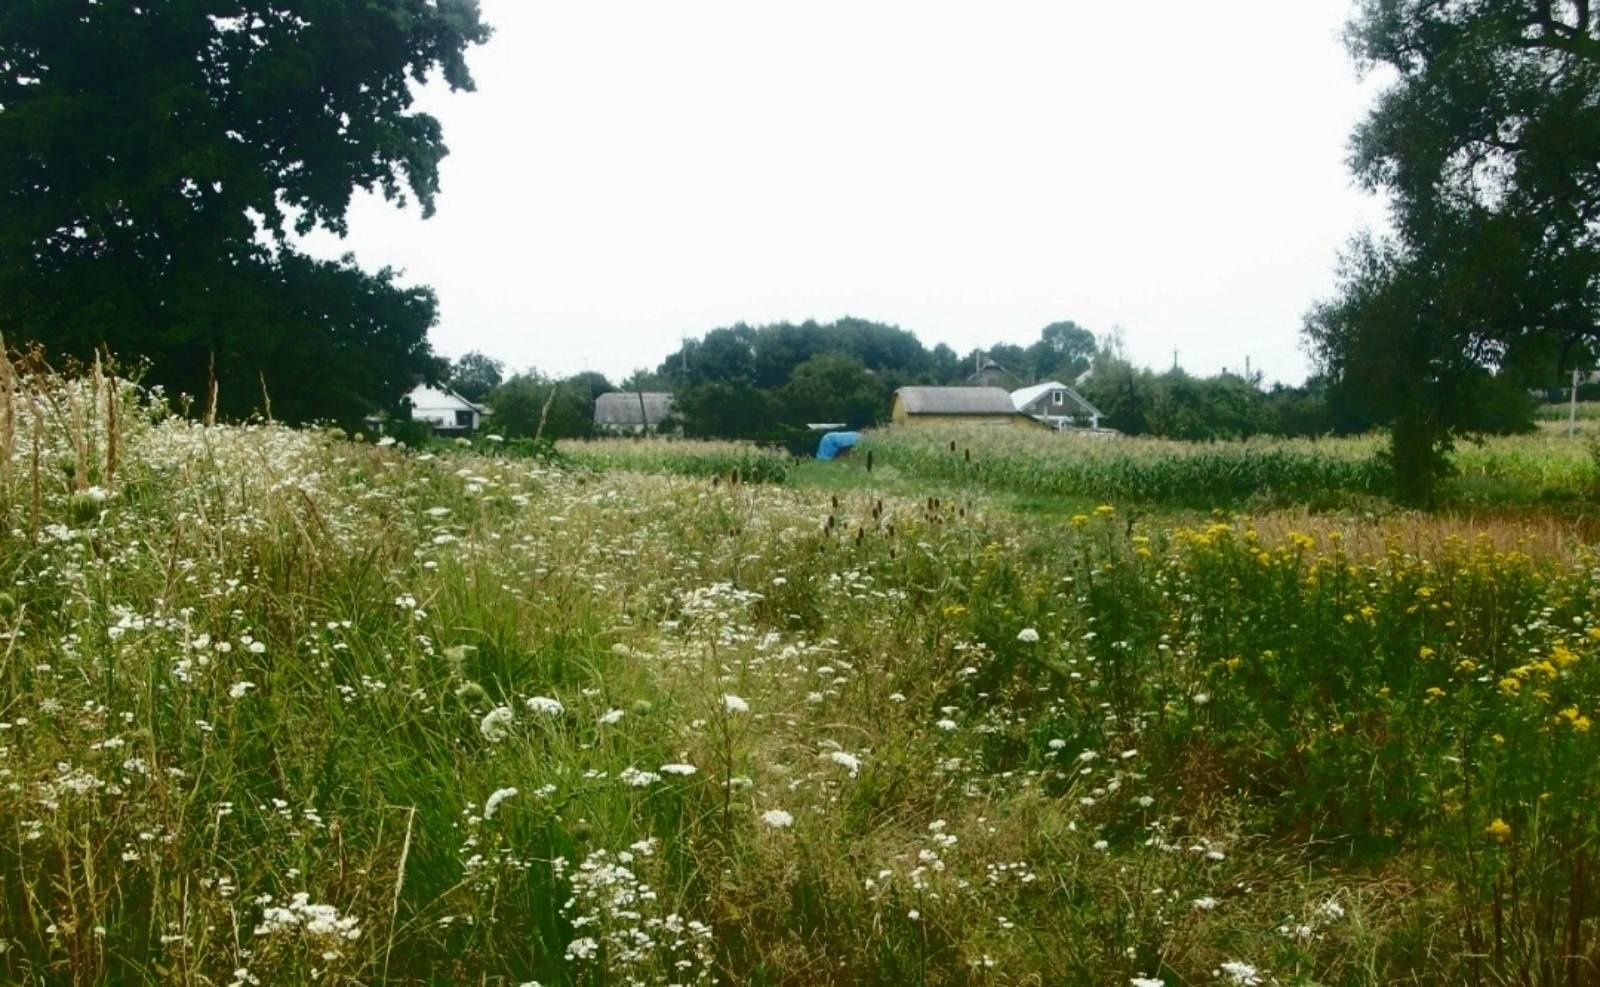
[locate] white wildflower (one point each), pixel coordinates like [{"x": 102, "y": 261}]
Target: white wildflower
[
  {"x": 545, "y": 706},
  {"x": 492, "y": 803},
  {"x": 1028, "y": 636},
  {"x": 637, "y": 778},
  {"x": 496, "y": 724},
  {"x": 684, "y": 770},
  {"x": 1330, "y": 911},
  {"x": 610, "y": 716},
  {"x": 734, "y": 704},
  {"x": 582, "y": 949},
  {"x": 847, "y": 761},
  {"x": 1241, "y": 974},
  {"x": 777, "y": 819}
]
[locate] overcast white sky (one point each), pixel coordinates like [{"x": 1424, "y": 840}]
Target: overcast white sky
[{"x": 631, "y": 172}]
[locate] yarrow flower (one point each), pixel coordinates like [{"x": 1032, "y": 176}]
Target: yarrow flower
[
  {"x": 1028, "y": 636},
  {"x": 492, "y": 803},
  {"x": 847, "y": 761},
  {"x": 734, "y": 704},
  {"x": 777, "y": 819},
  {"x": 1241, "y": 974},
  {"x": 610, "y": 716},
  {"x": 684, "y": 770}
]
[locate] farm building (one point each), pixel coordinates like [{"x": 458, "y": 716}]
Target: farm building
[
  {"x": 446, "y": 411},
  {"x": 631, "y": 411},
  {"x": 1057, "y": 405},
  {"x": 991, "y": 374},
  {"x": 955, "y": 405}
]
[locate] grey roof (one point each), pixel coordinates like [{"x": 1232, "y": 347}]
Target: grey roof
[
  {"x": 956, "y": 401},
  {"x": 990, "y": 371},
  {"x": 1075, "y": 403},
  {"x": 623, "y": 408}
]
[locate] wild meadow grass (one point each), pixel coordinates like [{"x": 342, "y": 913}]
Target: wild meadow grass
[
  {"x": 1588, "y": 411},
  {"x": 277, "y": 707}
]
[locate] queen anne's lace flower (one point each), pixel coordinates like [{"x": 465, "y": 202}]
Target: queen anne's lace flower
[
  {"x": 496, "y": 724},
  {"x": 545, "y": 706}
]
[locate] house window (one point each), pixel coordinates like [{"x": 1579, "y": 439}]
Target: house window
[
  {"x": 1058, "y": 397},
  {"x": 463, "y": 419}
]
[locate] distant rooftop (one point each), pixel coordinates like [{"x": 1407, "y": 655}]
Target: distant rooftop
[
  {"x": 956, "y": 401},
  {"x": 632, "y": 408}
]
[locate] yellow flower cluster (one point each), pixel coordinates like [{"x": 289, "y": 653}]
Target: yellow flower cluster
[{"x": 1580, "y": 723}]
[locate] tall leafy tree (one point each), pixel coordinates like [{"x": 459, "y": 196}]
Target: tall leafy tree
[
  {"x": 473, "y": 375},
  {"x": 1063, "y": 352},
  {"x": 532, "y": 403},
  {"x": 155, "y": 158},
  {"x": 1488, "y": 144},
  {"x": 832, "y": 387}
]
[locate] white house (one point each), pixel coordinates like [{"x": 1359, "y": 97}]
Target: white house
[{"x": 448, "y": 412}]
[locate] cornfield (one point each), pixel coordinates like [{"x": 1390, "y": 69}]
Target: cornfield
[
  {"x": 1259, "y": 472},
  {"x": 678, "y": 457}
]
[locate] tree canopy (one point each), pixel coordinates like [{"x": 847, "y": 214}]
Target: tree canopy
[
  {"x": 155, "y": 159},
  {"x": 1488, "y": 144},
  {"x": 473, "y": 375}
]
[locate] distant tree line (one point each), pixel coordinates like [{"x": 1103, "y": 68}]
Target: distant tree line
[
  {"x": 1177, "y": 405},
  {"x": 766, "y": 383}
]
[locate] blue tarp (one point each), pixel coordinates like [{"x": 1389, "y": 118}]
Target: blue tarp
[{"x": 835, "y": 443}]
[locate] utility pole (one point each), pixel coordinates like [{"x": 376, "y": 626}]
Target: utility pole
[{"x": 1572, "y": 407}]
